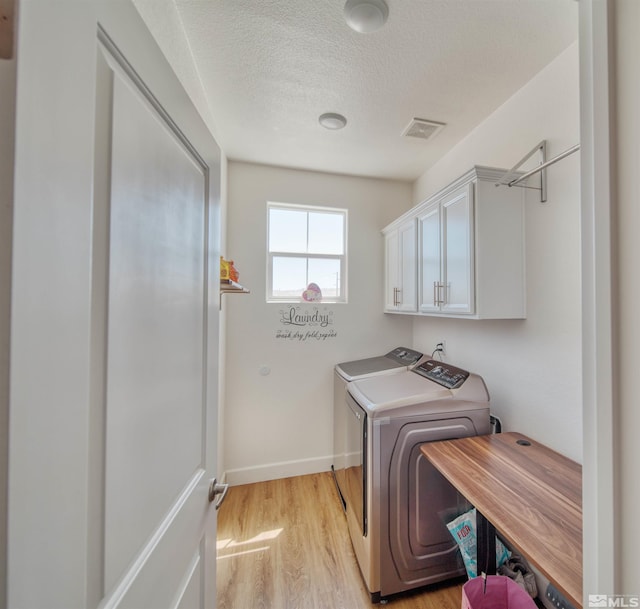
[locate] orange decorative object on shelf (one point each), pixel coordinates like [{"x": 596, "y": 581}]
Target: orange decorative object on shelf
[
  {"x": 233, "y": 273},
  {"x": 227, "y": 270}
]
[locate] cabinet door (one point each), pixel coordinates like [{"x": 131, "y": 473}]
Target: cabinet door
[
  {"x": 391, "y": 267},
  {"x": 407, "y": 262},
  {"x": 457, "y": 248},
  {"x": 430, "y": 260}
]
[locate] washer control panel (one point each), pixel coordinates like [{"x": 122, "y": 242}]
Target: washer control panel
[
  {"x": 404, "y": 356},
  {"x": 444, "y": 374}
]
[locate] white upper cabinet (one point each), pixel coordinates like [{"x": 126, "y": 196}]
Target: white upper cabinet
[
  {"x": 446, "y": 254},
  {"x": 401, "y": 255},
  {"x": 470, "y": 255}
]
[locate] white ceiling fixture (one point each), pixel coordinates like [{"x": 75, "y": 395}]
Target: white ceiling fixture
[
  {"x": 422, "y": 128},
  {"x": 332, "y": 120},
  {"x": 366, "y": 16}
]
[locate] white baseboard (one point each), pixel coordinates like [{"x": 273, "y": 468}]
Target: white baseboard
[{"x": 274, "y": 471}]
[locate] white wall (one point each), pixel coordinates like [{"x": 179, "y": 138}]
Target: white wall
[
  {"x": 627, "y": 68},
  {"x": 7, "y": 136},
  {"x": 281, "y": 424},
  {"x": 532, "y": 367}
]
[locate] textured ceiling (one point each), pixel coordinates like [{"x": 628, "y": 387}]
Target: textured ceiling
[{"x": 268, "y": 68}]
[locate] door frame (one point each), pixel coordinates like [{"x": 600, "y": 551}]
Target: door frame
[{"x": 601, "y": 551}]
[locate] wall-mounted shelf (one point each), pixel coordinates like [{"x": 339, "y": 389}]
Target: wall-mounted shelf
[{"x": 231, "y": 287}]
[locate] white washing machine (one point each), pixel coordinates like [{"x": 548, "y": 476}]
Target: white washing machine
[
  {"x": 397, "y": 503},
  {"x": 399, "y": 359}
]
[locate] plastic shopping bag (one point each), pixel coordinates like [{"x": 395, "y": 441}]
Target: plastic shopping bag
[
  {"x": 495, "y": 592},
  {"x": 463, "y": 530}
]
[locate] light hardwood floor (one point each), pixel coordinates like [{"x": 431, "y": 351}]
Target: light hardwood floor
[{"x": 284, "y": 544}]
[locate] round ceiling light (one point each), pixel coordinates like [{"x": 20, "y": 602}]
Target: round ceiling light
[
  {"x": 332, "y": 120},
  {"x": 366, "y": 15}
]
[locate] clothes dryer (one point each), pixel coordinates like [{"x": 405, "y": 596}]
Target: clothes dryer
[{"x": 397, "y": 503}]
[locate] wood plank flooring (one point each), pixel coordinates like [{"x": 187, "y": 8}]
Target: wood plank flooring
[{"x": 284, "y": 544}]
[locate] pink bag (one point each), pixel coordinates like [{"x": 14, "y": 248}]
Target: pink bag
[{"x": 500, "y": 593}]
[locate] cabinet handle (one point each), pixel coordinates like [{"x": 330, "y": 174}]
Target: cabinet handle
[
  {"x": 435, "y": 298},
  {"x": 396, "y": 296}
]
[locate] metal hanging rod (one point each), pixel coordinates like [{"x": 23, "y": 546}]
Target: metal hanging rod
[
  {"x": 555, "y": 159},
  {"x": 541, "y": 168}
]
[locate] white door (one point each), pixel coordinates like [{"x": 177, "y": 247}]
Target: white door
[
  {"x": 458, "y": 246},
  {"x": 430, "y": 260},
  {"x": 114, "y": 331}
]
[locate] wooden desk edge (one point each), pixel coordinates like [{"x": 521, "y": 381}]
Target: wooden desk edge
[{"x": 572, "y": 592}]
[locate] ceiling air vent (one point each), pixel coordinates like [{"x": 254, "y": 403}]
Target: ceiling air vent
[{"x": 422, "y": 128}]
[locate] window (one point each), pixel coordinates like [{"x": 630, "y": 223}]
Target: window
[{"x": 306, "y": 245}]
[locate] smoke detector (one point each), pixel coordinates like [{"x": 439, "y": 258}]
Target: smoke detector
[{"x": 422, "y": 128}]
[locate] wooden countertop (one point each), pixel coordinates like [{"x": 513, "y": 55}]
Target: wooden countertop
[{"x": 530, "y": 494}]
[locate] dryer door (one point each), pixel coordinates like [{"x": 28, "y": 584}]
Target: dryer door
[{"x": 416, "y": 545}]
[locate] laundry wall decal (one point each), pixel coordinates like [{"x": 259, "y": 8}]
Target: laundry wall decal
[{"x": 306, "y": 323}]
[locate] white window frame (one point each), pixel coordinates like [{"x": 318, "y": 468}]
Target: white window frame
[{"x": 309, "y": 256}]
